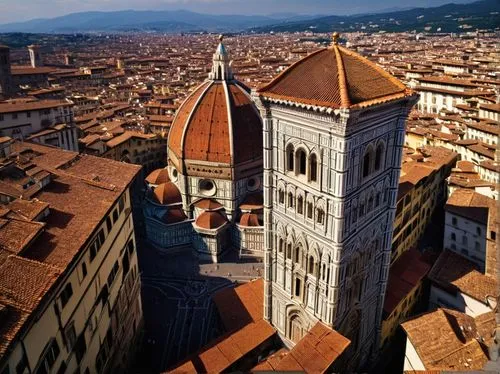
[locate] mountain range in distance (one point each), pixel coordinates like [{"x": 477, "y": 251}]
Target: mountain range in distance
[{"x": 483, "y": 14}]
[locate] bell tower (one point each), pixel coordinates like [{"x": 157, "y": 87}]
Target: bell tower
[
  {"x": 333, "y": 126},
  {"x": 6, "y": 87}
]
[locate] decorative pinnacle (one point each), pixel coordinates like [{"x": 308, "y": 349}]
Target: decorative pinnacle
[
  {"x": 221, "y": 38},
  {"x": 335, "y": 38}
]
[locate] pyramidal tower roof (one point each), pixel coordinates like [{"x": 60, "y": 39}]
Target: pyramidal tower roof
[{"x": 334, "y": 77}]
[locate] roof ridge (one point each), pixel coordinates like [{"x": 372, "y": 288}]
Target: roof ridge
[
  {"x": 374, "y": 65},
  {"x": 186, "y": 124},
  {"x": 344, "y": 92},
  {"x": 280, "y": 76}
]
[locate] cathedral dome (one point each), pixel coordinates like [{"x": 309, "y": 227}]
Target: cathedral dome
[
  {"x": 158, "y": 176},
  {"x": 167, "y": 193},
  {"x": 210, "y": 220},
  {"x": 217, "y": 123},
  {"x": 334, "y": 77}
]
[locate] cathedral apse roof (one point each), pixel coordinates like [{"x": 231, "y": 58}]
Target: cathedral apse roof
[{"x": 335, "y": 77}]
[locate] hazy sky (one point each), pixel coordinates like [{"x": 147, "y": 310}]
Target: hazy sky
[{"x": 20, "y": 10}]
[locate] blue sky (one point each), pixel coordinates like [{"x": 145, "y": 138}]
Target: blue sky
[{"x": 20, "y": 10}]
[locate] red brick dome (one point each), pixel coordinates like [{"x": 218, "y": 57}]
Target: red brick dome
[
  {"x": 217, "y": 123},
  {"x": 158, "y": 176},
  {"x": 210, "y": 220},
  {"x": 167, "y": 193}
]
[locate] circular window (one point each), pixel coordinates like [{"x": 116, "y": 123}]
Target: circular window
[
  {"x": 253, "y": 184},
  {"x": 174, "y": 174},
  {"x": 207, "y": 187}
]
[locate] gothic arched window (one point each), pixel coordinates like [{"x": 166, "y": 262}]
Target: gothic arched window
[
  {"x": 366, "y": 163},
  {"x": 313, "y": 168},
  {"x": 301, "y": 162},
  {"x": 281, "y": 245},
  {"x": 289, "y": 251},
  {"x": 300, "y": 205},
  {"x": 378, "y": 156},
  {"x": 290, "y": 200},
  {"x": 281, "y": 196},
  {"x": 309, "y": 210},
  {"x": 320, "y": 216},
  {"x": 310, "y": 269},
  {"x": 297, "y": 255},
  {"x": 289, "y": 157}
]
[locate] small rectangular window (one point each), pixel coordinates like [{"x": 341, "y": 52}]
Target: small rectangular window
[
  {"x": 70, "y": 334},
  {"x": 109, "y": 224},
  {"x": 66, "y": 294},
  {"x": 84, "y": 270}
]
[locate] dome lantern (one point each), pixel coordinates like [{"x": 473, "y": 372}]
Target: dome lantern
[{"x": 221, "y": 68}]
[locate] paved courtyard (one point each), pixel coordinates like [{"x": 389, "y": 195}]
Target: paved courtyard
[{"x": 179, "y": 315}]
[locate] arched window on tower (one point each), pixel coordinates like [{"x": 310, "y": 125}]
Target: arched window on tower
[
  {"x": 320, "y": 218},
  {"x": 300, "y": 205},
  {"x": 289, "y": 251},
  {"x": 289, "y": 157},
  {"x": 290, "y": 200},
  {"x": 378, "y": 156},
  {"x": 310, "y": 269},
  {"x": 309, "y": 210},
  {"x": 281, "y": 245},
  {"x": 301, "y": 162},
  {"x": 313, "y": 168},
  {"x": 297, "y": 255},
  {"x": 366, "y": 163},
  {"x": 281, "y": 196}
]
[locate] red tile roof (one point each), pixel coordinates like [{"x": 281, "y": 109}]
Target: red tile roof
[
  {"x": 158, "y": 176},
  {"x": 210, "y": 220},
  {"x": 449, "y": 340},
  {"x": 335, "y": 78},
  {"x": 454, "y": 272},
  {"x": 405, "y": 274},
  {"x": 315, "y": 352},
  {"x": 167, "y": 193},
  {"x": 250, "y": 220}
]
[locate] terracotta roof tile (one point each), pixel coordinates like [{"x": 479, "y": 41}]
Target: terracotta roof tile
[
  {"x": 316, "y": 351},
  {"x": 335, "y": 78},
  {"x": 210, "y": 220},
  {"x": 456, "y": 273},
  {"x": 16, "y": 234},
  {"x": 158, "y": 176},
  {"x": 167, "y": 193},
  {"x": 404, "y": 275},
  {"x": 205, "y": 129},
  {"x": 446, "y": 340}
]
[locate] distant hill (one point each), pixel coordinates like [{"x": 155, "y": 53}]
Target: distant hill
[
  {"x": 449, "y": 18},
  {"x": 482, "y": 14},
  {"x": 133, "y": 20}
]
